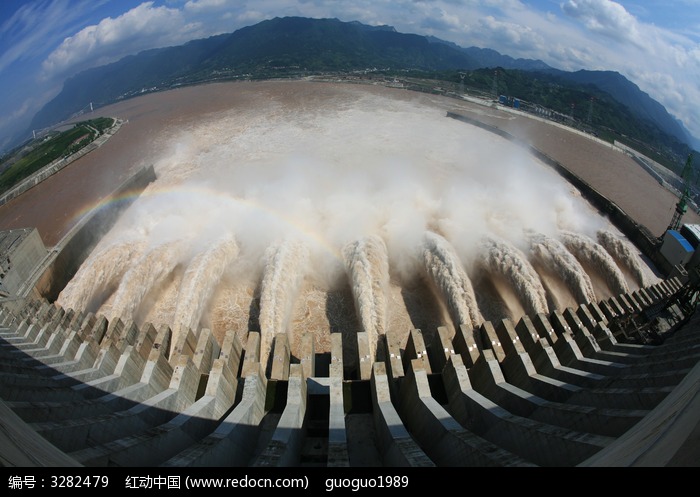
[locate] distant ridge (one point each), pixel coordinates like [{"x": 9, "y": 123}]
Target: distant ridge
[
  {"x": 629, "y": 95},
  {"x": 284, "y": 46}
]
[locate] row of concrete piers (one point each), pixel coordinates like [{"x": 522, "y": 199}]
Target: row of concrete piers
[{"x": 565, "y": 389}]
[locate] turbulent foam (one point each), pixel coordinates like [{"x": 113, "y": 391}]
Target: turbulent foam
[
  {"x": 624, "y": 255},
  {"x": 445, "y": 269},
  {"x": 552, "y": 254},
  {"x": 100, "y": 273},
  {"x": 328, "y": 164},
  {"x": 498, "y": 257},
  {"x": 201, "y": 279},
  {"x": 594, "y": 255},
  {"x": 367, "y": 265},
  {"x": 285, "y": 267},
  {"x": 147, "y": 273}
]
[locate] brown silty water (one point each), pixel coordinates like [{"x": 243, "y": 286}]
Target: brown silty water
[{"x": 355, "y": 176}]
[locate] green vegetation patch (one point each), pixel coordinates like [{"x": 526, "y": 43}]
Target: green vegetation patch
[{"x": 61, "y": 145}]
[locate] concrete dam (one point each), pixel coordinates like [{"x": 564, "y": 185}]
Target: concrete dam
[
  {"x": 477, "y": 313},
  {"x": 550, "y": 390}
]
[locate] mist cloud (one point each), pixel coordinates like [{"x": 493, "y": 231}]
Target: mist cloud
[{"x": 326, "y": 203}]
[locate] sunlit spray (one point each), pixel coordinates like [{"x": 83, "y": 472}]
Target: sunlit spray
[
  {"x": 625, "y": 255},
  {"x": 367, "y": 266},
  {"x": 201, "y": 278},
  {"x": 496, "y": 256},
  {"x": 333, "y": 166},
  {"x": 592, "y": 254},
  {"x": 552, "y": 254},
  {"x": 445, "y": 270},
  {"x": 286, "y": 264}
]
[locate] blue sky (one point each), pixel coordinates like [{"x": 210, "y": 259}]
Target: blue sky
[{"x": 655, "y": 43}]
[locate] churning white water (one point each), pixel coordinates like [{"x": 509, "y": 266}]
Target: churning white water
[
  {"x": 367, "y": 266},
  {"x": 446, "y": 271},
  {"x": 625, "y": 255},
  {"x": 285, "y": 267},
  {"x": 551, "y": 253},
  {"x": 337, "y": 196},
  {"x": 200, "y": 280},
  {"x": 99, "y": 275},
  {"x": 501, "y": 258},
  {"x": 594, "y": 256}
]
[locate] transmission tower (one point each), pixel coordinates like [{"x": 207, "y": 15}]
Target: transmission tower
[
  {"x": 461, "y": 82},
  {"x": 590, "y": 111},
  {"x": 494, "y": 87},
  {"x": 682, "y": 205}
]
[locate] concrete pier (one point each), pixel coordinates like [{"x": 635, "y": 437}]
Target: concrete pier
[
  {"x": 558, "y": 447},
  {"x": 280, "y": 358},
  {"x": 364, "y": 356},
  {"x": 396, "y": 445},
  {"x": 547, "y": 390},
  {"x": 233, "y": 441},
  {"x": 445, "y": 441},
  {"x": 467, "y": 342},
  {"x": 338, "y": 456},
  {"x": 394, "y": 356},
  {"x": 285, "y": 446}
]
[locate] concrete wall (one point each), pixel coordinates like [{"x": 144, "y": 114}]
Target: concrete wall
[
  {"x": 23, "y": 261},
  {"x": 132, "y": 398},
  {"x": 74, "y": 248}
]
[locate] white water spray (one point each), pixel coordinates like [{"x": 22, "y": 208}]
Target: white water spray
[
  {"x": 624, "y": 255},
  {"x": 498, "y": 257},
  {"x": 445, "y": 269},
  {"x": 145, "y": 276},
  {"x": 553, "y": 255},
  {"x": 593, "y": 255},
  {"x": 201, "y": 279},
  {"x": 367, "y": 266},
  {"x": 99, "y": 276}
]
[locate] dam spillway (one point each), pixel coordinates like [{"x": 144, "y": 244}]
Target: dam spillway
[
  {"x": 384, "y": 213},
  {"x": 408, "y": 302},
  {"x": 547, "y": 390}
]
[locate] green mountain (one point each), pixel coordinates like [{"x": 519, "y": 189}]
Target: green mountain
[
  {"x": 628, "y": 94},
  {"x": 586, "y": 106},
  {"x": 296, "y": 46}
]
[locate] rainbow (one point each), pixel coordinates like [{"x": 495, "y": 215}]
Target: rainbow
[{"x": 184, "y": 195}]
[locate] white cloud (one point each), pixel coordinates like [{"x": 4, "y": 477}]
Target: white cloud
[
  {"x": 440, "y": 21},
  {"x": 142, "y": 27},
  {"x": 666, "y": 65},
  {"x": 508, "y": 35},
  {"x": 24, "y": 34},
  {"x": 582, "y": 34},
  {"x": 205, "y": 5},
  {"x": 606, "y": 18},
  {"x": 18, "y": 113}
]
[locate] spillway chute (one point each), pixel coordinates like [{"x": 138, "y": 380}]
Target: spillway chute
[
  {"x": 553, "y": 255},
  {"x": 445, "y": 270},
  {"x": 625, "y": 256},
  {"x": 367, "y": 266},
  {"x": 200, "y": 280},
  {"x": 593, "y": 256},
  {"x": 286, "y": 264},
  {"x": 498, "y": 257}
]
